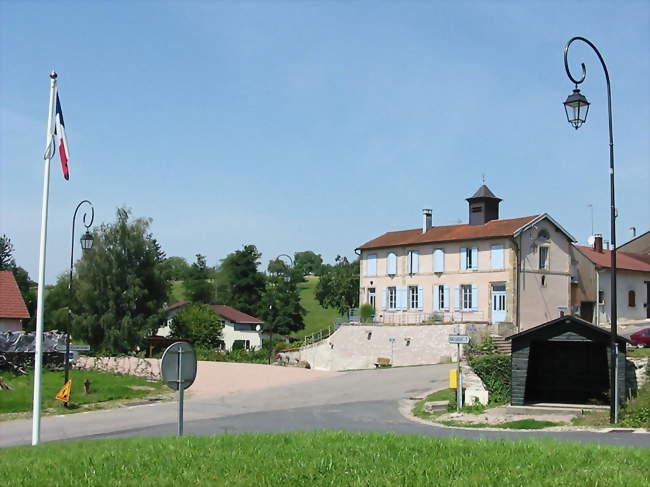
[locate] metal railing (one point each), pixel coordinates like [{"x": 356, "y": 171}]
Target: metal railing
[{"x": 410, "y": 318}]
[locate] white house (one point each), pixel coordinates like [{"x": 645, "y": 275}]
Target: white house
[
  {"x": 12, "y": 307},
  {"x": 237, "y": 325}
]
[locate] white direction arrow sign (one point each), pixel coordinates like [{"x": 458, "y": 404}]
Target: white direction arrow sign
[
  {"x": 73, "y": 348},
  {"x": 459, "y": 339}
]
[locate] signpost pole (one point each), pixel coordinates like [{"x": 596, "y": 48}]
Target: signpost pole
[
  {"x": 181, "y": 391},
  {"x": 459, "y": 383}
]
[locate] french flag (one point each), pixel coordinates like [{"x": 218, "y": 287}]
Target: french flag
[{"x": 61, "y": 141}]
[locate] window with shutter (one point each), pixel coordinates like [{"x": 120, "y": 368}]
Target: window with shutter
[
  {"x": 420, "y": 305},
  {"x": 438, "y": 260},
  {"x": 436, "y": 298},
  {"x": 498, "y": 254},
  {"x": 474, "y": 298},
  {"x": 413, "y": 262},
  {"x": 457, "y": 298},
  {"x": 474, "y": 264},
  {"x": 463, "y": 259},
  {"x": 371, "y": 265},
  {"x": 391, "y": 264},
  {"x": 445, "y": 298}
]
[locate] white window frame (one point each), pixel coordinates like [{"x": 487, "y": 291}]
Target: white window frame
[
  {"x": 546, "y": 260},
  {"x": 466, "y": 297},
  {"x": 372, "y": 297},
  {"x": 413, "y": 294},
  {"x": 392, "y": 298}
]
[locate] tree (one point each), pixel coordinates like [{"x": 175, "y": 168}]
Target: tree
[
  {"x": 200, "y": 323},
  {"x": 175, "y": 268},
  {"x": 281, "y": 308},
  {"x": 26, "y": 286},
  {"x": 308, "y": 262},
  {"x": 338, "y": 286},
  {"x": 242, "y": 284},
  {"x": 57, "y": 304},
  {"x": 199, "y": 288},
  {"x": 120, "y": 287}
]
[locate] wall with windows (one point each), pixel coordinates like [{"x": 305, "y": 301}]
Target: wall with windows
[
  {"x": 626, "y": 281},
  {"x": 434, "y": 278}
]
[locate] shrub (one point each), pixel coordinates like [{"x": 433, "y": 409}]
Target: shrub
[
  {"x": 366, "y": 313},
  {"x": 481, "y": 346},
  {"x": 495, "y": 372}
]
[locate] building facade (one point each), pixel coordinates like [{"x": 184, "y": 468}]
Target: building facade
[
  {"x": 515, "y": 271},
  {"x": 12, "y": 307}
]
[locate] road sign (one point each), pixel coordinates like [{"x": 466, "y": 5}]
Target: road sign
[
  {"x": 73, "y": 348},
  {"x": 459, "y": 339},
  {"x": 178, "y": 371},
  {"x": 64, "y": 393},
  {"x": 392, "y": 340}
]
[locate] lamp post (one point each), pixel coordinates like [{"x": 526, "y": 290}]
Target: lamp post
[
  {"x": 86, "y": 243},
  {"x": 577, "y": 107}
]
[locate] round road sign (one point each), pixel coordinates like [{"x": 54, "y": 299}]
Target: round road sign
[{"x": 178, "y": 365}]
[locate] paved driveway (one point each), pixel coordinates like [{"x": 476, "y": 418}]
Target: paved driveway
[{"x": 352, "y": 401}]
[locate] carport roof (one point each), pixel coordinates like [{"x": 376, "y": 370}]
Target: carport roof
[{"x": 567, "y": 319}]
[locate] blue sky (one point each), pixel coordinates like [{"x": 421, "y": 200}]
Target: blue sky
[{"x": 316, "y": 125}]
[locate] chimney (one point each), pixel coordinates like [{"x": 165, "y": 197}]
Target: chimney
[
  {"x": 426, "y": 220},
  {"x": 598, "y": 243}
]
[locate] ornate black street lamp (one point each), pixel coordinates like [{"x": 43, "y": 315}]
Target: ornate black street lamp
[
  {"x": 577, "y": 107},
  {"x": 86, "y": 244}
]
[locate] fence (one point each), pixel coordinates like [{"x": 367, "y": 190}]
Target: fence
[{"x": 407, "y": 318}]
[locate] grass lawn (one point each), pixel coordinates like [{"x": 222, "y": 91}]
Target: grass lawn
[
  {"x": 639, "y": 352},
  {"x": 104, "y": 387},
  {"x": 316, "y": 317},
  {"x": 323, "y": 459},
  {"x": 443, "y": 395}
]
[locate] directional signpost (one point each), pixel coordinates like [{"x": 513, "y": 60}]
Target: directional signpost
[
  {"x": 459, "y": 340},
  {"x": 178, "y": 371},
  {"x": 74, "y": 348}
]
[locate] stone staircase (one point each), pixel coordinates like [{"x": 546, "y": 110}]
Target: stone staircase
[{"x": 501, "y": 344}]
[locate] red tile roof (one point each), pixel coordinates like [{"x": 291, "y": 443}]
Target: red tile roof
[
  {"x": 624, "y": 260},
  {"x": 11, "y": 301},
  {"x": 448, "y": 233},
  {"x": 234, "y": 315},
  {"x": 227, "y": 312}
]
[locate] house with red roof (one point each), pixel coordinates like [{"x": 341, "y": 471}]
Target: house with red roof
[
  {"x": 515, "y": 272},
  {"x": 237, "y": 325},
  {"x": 12, "y": 307},
  {"x": 592, "y": 292}
]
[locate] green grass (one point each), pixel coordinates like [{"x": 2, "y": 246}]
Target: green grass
[
  {"x": 442, "y": 395},
  {"x": 316, "y": 317},
  {"x": 521, "y": 424},
  {"x": 323, "y": 459},
  {"x": 104, "y": 387},
  {"x": 639, "y": 352}
]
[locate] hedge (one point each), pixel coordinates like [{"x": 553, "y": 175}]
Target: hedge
[{"x": 495, "y": 372}]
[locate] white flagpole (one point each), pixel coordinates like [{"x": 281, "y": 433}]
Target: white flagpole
[{"x": 38, "y": 353}]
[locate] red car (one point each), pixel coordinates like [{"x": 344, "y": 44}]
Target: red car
[{"x": 641, "y": 337}]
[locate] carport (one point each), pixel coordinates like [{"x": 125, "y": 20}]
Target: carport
[{"x": 565, "y": 360}]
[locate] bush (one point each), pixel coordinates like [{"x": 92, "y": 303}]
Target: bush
[
  {"x": 495, "y": 371},
  {"x": 481, "y": 346},
  {"x": 366, "y": 313}
]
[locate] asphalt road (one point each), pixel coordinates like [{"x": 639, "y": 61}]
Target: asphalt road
[{"x": 362, "y": 401}]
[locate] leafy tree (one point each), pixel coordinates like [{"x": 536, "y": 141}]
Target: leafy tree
[
  {"x": 281, "y": 308},
  {"x": 175, "y": 268},
  {"x": 57, "y": 303},
  {"x": 200, "y": 323},
  {"x": 199, "y": 288},
  {"x": 338, "y": 286},
  {"x": 308, "y": 262},
  {"x": 26, "y": 286},
  {"x": 120, "y": 287},
  {"x": 242, "y": 285}
]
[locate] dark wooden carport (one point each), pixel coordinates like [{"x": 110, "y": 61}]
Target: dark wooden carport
[{"x": 565, "y": 360}]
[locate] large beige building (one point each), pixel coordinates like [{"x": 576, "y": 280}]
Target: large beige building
[{"x": 515, "y": 271}]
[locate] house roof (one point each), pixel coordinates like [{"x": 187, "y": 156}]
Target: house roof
[
  {"x": 234, "y": 315},
  {"x": 624, "y": 260},
  {"x": 11, "y": 301},
  {"x": 447, "y": 233},
  {"x": 227, "y": 312},
  {"x": 567, "y": 318}
]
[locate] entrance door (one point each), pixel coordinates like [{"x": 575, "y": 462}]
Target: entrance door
[{"x": 498, "y": 303}]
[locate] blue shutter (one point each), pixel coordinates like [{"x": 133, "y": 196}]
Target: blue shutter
[
  {"x": 498, "y": 257},
  {"x": 384, "y": 298},
  {"x": 415, "y": 262},
  {"x": 401, "y": 297},
  {"x": 474, "y": 298},
  {"x": 457, "y": 298},
  {"x": 475, "y": 258},
  {"x": 438, "y": 260},
  {"x": 446, "y": 298},
  {"x": 371, "y": 265},
  {"x": 420, "y": 298},
  {"x": 436, "y": 300},
  {"x": 391, "y": 264},
  {"x": 463, "y": 259}
]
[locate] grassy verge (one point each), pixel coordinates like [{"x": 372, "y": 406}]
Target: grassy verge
[
  {"x": 522, "y": 424},
  {"x": 639, "y": 352},
  {"x": 443, "y": 395},
  {"x": 323, "y": 458},
  {"x": 104, "y": 387}
]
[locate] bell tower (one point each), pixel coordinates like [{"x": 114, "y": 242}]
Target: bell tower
[{"x": 483, "y": 206}]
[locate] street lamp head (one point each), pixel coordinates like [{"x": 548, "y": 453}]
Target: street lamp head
[
  {"x": 576, "y": 107},
  {"x": 87, "y": 241}
]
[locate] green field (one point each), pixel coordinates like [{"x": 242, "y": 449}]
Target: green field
[
  {"x": 104, "y": 387},
  {"x": 316, "y": 317},
  {"x": 323, "y": 459}
]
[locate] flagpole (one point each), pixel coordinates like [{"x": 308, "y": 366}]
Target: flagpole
[{"x": 38, "y": 353}]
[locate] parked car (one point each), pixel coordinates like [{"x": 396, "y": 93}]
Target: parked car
[{"x": 641, "y": 337}]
